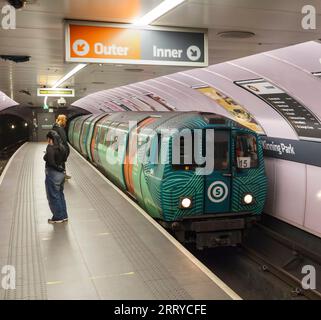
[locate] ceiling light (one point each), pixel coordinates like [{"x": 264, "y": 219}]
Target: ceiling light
[
  {"x": 236, "y": 34},
  {"x": 157, "y": 12},
  {"x": 69, "y": 74}
]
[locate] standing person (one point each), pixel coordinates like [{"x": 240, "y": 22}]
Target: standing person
[
  {"x": 60, "y": 128},
  {"x": 55, "y": 179}
]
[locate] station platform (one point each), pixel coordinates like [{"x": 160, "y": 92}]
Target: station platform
[{"x": 109, "y": 249}]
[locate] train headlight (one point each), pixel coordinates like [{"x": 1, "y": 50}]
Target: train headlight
[
  {"x": 248, "y": 198},
  {"x": 186, "y": 202}
]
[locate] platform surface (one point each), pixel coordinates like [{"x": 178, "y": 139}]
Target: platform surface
[{"x": 107, "y": 250}]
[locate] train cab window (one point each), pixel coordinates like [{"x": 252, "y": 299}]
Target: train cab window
[
  {"x": 221, "y": 150},
  {"x": 246, "y": 151},
  {"x": 186, "y": 154}
]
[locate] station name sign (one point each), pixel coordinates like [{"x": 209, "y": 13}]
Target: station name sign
[
  {"x": 92, "y": 42},
  {"x": 301, "y": 151},
  {"x": 55, "y": 92}
]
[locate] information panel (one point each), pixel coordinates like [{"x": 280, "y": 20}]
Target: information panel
[
  {"x": 303, "y": 121},
  {"x": 55, "y": 92}
]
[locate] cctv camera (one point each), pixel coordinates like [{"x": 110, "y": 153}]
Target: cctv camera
[{"x": 62, "y": 102}]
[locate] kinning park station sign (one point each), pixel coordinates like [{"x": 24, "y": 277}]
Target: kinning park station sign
[{"x": 91, "y": 42}]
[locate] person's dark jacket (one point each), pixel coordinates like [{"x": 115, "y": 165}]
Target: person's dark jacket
[
  {"x": 54, "y": 158},
  {"x": 62, "y": 133}
]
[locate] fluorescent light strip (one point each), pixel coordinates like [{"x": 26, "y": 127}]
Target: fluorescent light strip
[
  {"x": 69, "y": 74},
  {"x": 157, "y": 12},
  {"x": 66, "y": 77}
]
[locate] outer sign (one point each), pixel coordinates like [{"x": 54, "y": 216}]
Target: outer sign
[{"x": 217, "y": 191}]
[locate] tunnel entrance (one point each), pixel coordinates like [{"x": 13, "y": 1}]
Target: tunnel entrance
[{"x": 13, "y": 129}]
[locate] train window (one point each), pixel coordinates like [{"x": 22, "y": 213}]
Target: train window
[
  {"x": 246, "y": 151},
  {"x": 182, "y": 151},
  {"x": 186, "y": 154},
  {"x": 102, "y": 134},
  {"x": 221, "y": 150}
]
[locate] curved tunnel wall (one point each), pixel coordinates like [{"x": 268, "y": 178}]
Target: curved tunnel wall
[
  {"x": 6, "y": 102},
  {"x": 294, "y": 179}
]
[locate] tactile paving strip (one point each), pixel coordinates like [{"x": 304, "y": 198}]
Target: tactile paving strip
[
  {"x": 150, "y": 269},
  {"x": 25, "y": 251}
]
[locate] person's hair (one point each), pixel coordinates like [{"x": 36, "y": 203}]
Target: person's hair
[
  {"x": 53, "y": 135},
  {"x": 61, "y": 120}
]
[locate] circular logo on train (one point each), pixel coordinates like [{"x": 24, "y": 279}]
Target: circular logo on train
[{"x": 217, "y": 191}]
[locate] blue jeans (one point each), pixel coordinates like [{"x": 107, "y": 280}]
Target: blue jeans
[{"x": 55, "y": 193}]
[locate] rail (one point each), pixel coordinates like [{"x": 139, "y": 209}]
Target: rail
[
  {"x": 299, "y": 253},
  {"x": 8, "y": 150}
]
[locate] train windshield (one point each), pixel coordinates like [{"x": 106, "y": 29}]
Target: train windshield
[
  {"x": 246, "y": 151},
  {"x": 193, "y": 151},
  {"x": 221, "y": 150}
]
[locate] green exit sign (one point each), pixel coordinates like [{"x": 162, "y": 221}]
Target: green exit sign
[{"x": 55, "y": 92}]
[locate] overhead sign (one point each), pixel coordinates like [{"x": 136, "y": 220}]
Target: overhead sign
[
  {"x": 55, "y": 92},
  {"x": 119, "y": 43},
  {"x": 301, "y": 119}
]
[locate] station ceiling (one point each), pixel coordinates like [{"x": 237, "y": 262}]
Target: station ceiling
[{"x": 40, "y": 34}]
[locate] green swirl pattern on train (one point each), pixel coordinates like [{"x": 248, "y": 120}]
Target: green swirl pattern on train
[{"x": 210, "y": 207}]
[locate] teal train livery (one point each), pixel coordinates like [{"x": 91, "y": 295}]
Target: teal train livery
[{"x": 200, "y": 175}]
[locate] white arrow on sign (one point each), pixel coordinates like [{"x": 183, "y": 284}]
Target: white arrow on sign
[
  {"x": 193, "y": 53},
  {"x": 80, "y": 47}
]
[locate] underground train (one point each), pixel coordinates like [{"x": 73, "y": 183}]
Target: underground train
[{"x": 201, "y": 175}]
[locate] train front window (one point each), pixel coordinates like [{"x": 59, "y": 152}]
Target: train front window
[
  {"x": 221, "y": 148},
  {"x": 193, "y": 152},
  {"x": 246, "y": 151}
]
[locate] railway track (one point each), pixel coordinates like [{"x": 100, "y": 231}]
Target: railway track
[
  {"x": 7, "y": 152},
  {"x": 288, "y": 265},
  {"x": 268, "y": 265},
  {"x": 281, "y": 273}
]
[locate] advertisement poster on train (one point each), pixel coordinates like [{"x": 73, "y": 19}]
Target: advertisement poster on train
[
  {"x": 300, "y": 118},
  {"x": 239, "y": 113}
]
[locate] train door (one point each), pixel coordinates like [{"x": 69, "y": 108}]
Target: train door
[
  {"x": 131, "y": 153},
  {"x": 94, "y": 144},
  {"x": 217, "y": 185}
]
